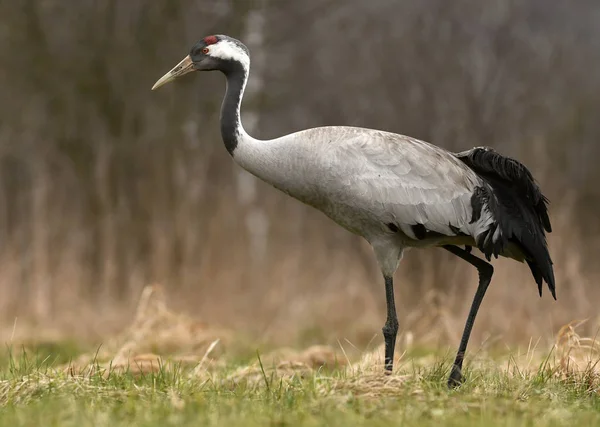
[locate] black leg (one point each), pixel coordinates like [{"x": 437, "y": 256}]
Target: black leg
[
  {"x": 485, "y": 271},
  {"x": 390, "y": 329}
]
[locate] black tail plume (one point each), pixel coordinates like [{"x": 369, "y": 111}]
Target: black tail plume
[{"x": 519, "y": 208}]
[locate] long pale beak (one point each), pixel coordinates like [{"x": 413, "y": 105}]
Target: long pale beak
[{"x": 184, "y": 67}]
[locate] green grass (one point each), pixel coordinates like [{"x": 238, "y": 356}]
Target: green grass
[{"x": 32, "y": 393}]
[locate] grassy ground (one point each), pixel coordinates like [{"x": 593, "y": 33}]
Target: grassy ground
[
  {"x": 33, "y": 392},
  {"x": 169, "y": 369}
]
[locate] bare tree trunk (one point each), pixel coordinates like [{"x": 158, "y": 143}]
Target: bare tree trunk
[
  {"x": 41, "y": 295},
  {"x": 256, "y": 221},
  {"x": 107, "y": 234}
]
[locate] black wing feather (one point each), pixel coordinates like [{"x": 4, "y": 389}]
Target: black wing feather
[{"x": 519, "y": 207}]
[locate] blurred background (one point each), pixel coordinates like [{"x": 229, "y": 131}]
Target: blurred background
[{"x": 106, "y": 187}]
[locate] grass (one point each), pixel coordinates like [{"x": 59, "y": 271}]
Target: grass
[
  {"x": 35, "y": 391},
  {"x": 168, "y": 369}
]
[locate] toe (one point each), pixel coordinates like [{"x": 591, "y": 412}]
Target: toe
[{"x": 455, "y": 378}]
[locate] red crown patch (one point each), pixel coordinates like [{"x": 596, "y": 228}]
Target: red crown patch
[{"x": 210, "y": 40}]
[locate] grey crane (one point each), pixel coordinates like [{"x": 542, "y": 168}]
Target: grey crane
[{"x": 395, "y": 191}]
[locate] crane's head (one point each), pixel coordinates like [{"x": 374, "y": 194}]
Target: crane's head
[{"x": 219, "y": 52}]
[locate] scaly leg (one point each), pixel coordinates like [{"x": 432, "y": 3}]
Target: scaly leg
[
  {"x": 485, "y": 271},
  {"x": 390, "y": 329}
]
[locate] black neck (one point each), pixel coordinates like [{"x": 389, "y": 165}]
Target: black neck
[{"x": 230, "y": 110}]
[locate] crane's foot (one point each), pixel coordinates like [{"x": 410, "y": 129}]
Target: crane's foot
[{"x": 456, "y": 378}]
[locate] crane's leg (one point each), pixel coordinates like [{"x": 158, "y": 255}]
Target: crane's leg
[
  {"x": 485, "y": 271},
  {"x": 390, "y": 329}
]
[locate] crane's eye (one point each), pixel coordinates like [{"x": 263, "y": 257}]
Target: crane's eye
[{"x": 205, "y": 50}]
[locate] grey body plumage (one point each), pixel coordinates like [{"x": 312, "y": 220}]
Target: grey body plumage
[{"x": 395, "y": 191}]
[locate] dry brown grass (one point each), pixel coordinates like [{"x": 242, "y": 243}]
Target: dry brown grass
[
  {"x": 155, "y": 333},
  {"x": 577, "y": 355},
  {"x": 160, "y": 340}
]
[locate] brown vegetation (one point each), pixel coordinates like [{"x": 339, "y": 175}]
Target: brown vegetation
[
  {"x": 572, "y": 360},
  {"x": 572, "y": 357}
]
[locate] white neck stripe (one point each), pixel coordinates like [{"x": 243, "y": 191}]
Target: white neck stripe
[{"x": 228, "y": 50}]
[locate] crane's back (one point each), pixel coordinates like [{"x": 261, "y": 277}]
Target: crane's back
[{"x": 369, "y": 181}]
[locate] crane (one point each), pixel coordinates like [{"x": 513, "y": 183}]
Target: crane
[{"x": 395, "y": 191}]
